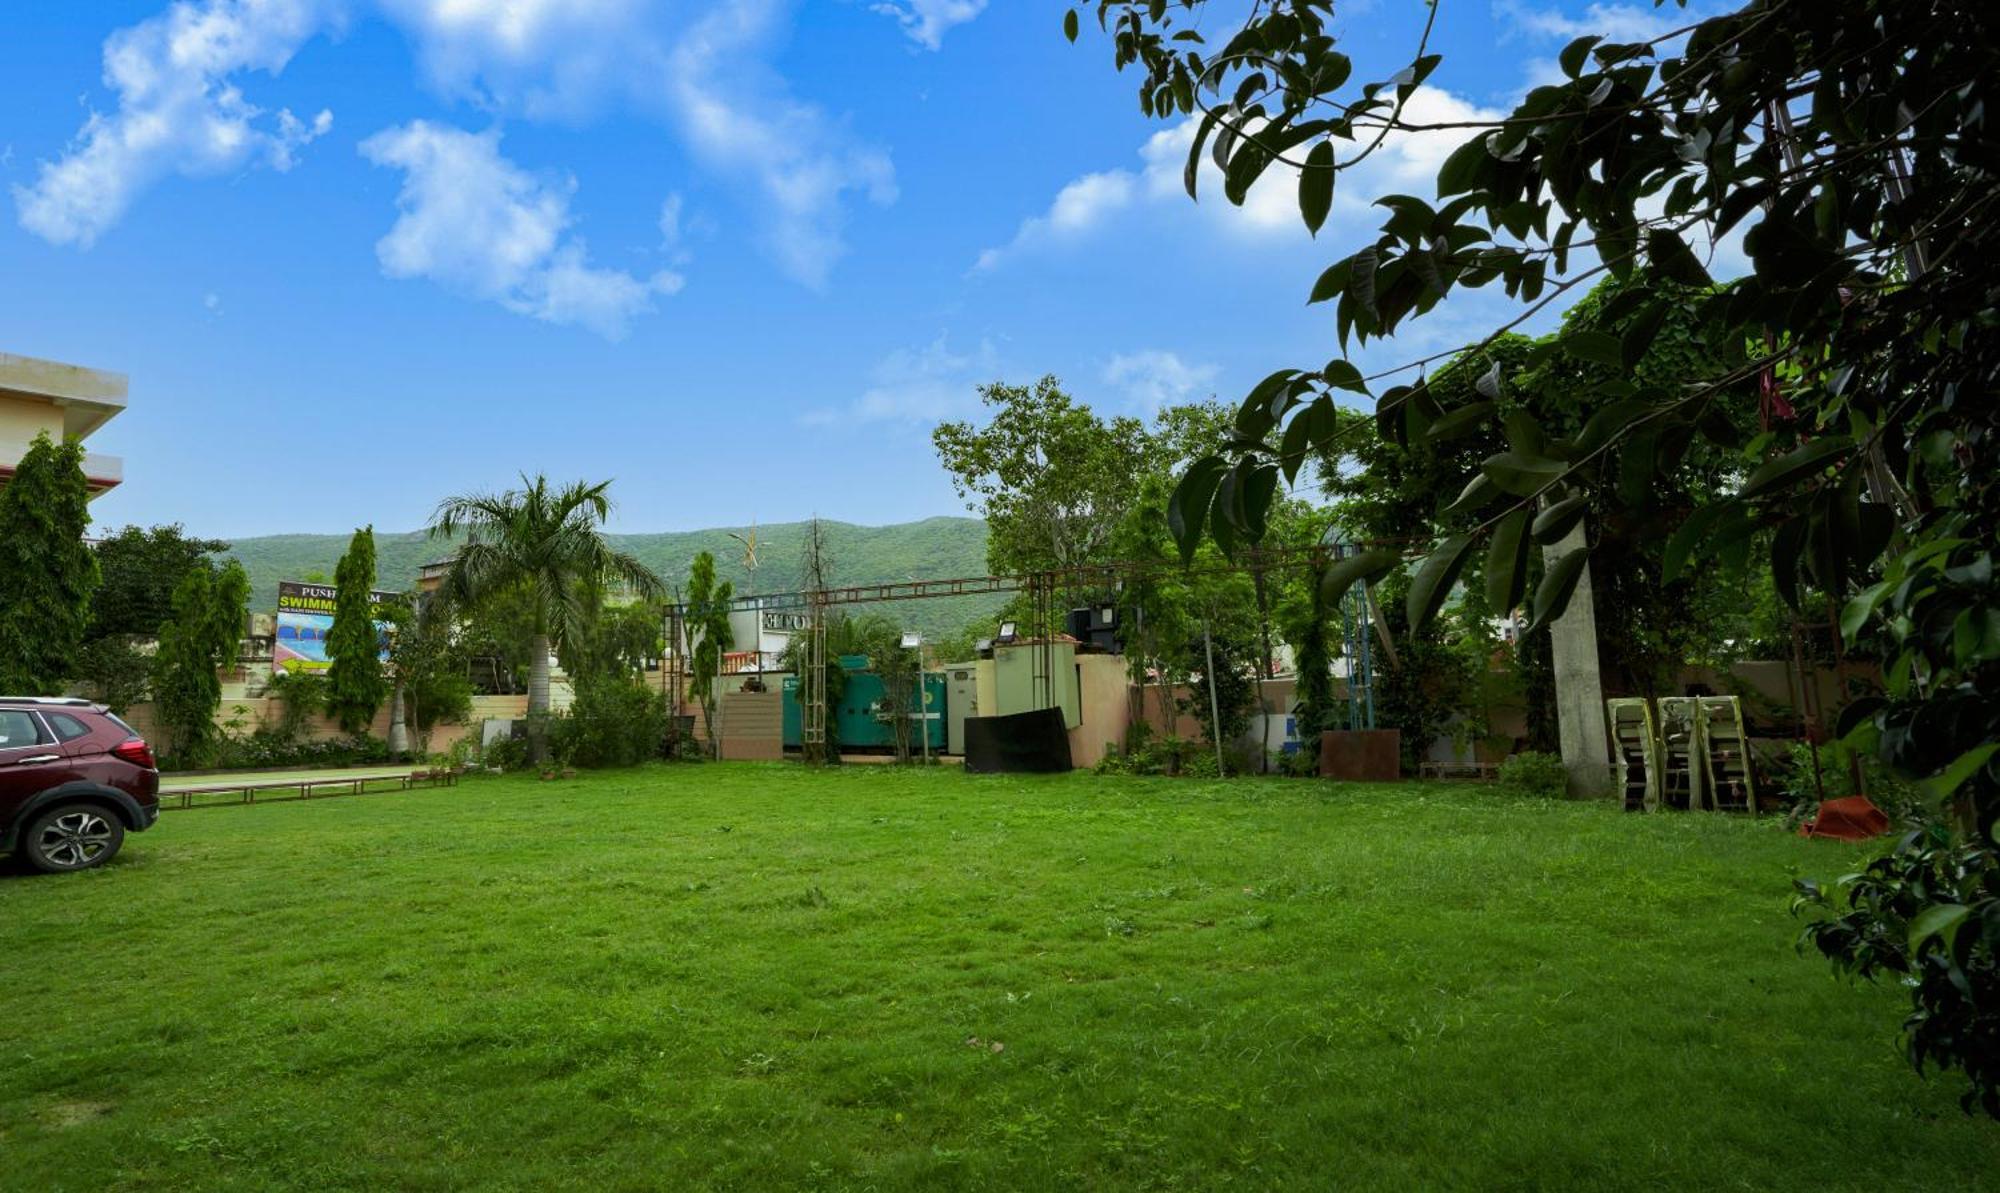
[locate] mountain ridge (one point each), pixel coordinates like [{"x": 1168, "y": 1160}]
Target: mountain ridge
[{"x": 935, "y": 548}]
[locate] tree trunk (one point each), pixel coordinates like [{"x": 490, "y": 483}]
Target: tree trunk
[
  {"x": 399, "y": 730},
  {"x": 538, "y": 698}
]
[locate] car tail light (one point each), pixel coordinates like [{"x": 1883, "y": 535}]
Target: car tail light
[{"x": 136, "y": 752}]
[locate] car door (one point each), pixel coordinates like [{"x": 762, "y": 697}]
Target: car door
[
  {"x": 83, "y": 746},
  {"x": 30, "y": 761}
]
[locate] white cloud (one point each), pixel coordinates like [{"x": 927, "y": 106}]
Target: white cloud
[
  {"x": 178, "y": 112},
  {"x": 698, "y": 66},
  {"x": 541, "y": 58},
  {"x": 740, "y": 118},
  {"x": 917, "y": 387},
  {"x": 1406, "y": 163},
  {"x": 1154, "y": 378},
  {"x": 927, "y": 21},
  {"x": 479, "y": 225},
  {"x": 1613, "y": 22}
]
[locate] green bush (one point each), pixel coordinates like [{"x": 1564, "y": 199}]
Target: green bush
[
  {"x": 1298, "y": 764},
  {"x": 507, "y": 753},
  {"x": 615, "y": 721},
  {"x": 1535, "y": 773},
  {"x": 267, "y": 748}
]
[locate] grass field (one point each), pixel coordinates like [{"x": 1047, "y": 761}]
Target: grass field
[{"x": 758, "y": 977}]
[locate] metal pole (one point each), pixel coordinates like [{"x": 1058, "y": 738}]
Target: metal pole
[
  {"x": 923, "y": 705},
  {"x": 1214, "y": 704}
]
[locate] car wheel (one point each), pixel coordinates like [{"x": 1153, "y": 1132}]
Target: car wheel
[{"x": 72, "y": 837}]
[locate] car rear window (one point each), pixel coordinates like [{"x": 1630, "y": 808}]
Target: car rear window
[
  {"x": 67, "y": 727},
  {"x": 18, "y": 728},
  {"x": 116, "y": 720}
]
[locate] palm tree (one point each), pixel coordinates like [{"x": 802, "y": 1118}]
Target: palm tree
[{"x": 548, "y": 543}]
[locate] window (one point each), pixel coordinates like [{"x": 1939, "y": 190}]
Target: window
[
  {"x": 18, "y": 729},
  {"x": 67, "y": 727}
]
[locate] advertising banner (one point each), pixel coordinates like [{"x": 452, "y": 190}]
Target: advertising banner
[{"x": 305, "y": 618}]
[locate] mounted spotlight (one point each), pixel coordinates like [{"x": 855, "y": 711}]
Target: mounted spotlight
[
  {"x": 1007, "y": 636},
  {"x": 912, "y": 639}
]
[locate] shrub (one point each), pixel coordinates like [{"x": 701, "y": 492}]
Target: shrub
[
  {"x": 615, "y": 721},
  {"x": 507, "y": 753},
  {"x": 1535, "y": 773},
  {"x": 1297, "y": 764},
  {"x": 268, "y": 748}
]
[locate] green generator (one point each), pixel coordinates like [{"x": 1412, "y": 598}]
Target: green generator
[{"x": 860, "y": 722}]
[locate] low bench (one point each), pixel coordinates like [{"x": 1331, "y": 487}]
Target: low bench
[{"x": 255, "y": 792}]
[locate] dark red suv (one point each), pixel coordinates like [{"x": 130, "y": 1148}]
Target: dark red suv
[{"x": 74, "y": 779}]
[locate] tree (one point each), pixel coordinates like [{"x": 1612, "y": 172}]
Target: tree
[
  {"x": 1849, "y": 140},
  {"x": 140, "y": 570},
  {"x": 430, "y": 667},
  {"x": 708, "y": 627},
  {"x": 356, "y": 686},
  {"x": 201, "y": 637},
  {"x": 47, "y": 574},
  {"x": 113, "y": 670},
  {"x": 548, "y": 543},
  {"x": 1050, "y": 477}
]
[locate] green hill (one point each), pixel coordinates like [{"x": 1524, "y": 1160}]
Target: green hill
[{"x": 932, "y": 549}]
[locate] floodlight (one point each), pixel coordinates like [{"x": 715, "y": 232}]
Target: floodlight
[
  {"x": 983, "y": 646},
  {"x": 912, "y": 639},
  {"x": 1007, "y": 634}
]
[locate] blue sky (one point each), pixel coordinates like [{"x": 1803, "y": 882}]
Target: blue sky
[{"x": 739, "y": 256}]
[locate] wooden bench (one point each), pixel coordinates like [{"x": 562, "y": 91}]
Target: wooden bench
[{"x": 254, "y": 792}]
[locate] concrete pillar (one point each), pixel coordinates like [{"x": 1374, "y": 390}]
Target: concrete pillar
[{"x": 1579, "y": 681}]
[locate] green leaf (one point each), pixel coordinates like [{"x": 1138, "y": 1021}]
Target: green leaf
[
  {"x": 1795, "y": 465},
  {"x": 1434, "y": 579},
  {"x": 1256, "y": 494},
  {"x": 1520, "y": 474},
  {"x": 1598, "y": 347},
  {"x": 1246, "y": 165},
  {"x": 1332, "y": 282},
  {"x": 1343, "y": 574},
  {"x": 1681, "y": 545},
  {"x": 1555, "y": 522},
  {"x": 1316, "y": 185},
  {"x": 1507, "y": 563},
  {"x": 1362, "y": 272},
  {"x": 1253, "y": 416},
  {"x": 1460, "y": 172},
  {"x": 1855, "y": 614},
  {"x": 1461, "y": 421},
  {"x": 1070, "y": 24},
  {"x": 1477, "y": 492},
  {"x": 1939, "y": 919},
  {"x": 1673, "y": 260},
  {"x": 1946, "y": 782},
  {"x": 1187, "y": 509},
  {"x": 1341, "y": 375},
  {"x": 1558, "y": 585},
  {"x": 1640, "y": 334},
  {"x": 1574, "y": 55},
  {"x": 1191, "y": 172}
]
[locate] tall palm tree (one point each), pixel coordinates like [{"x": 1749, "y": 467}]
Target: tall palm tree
[{"x": 548, "y": 542}]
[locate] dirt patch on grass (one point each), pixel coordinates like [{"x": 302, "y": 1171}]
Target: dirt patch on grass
[{"x": 63, "y": 1115}]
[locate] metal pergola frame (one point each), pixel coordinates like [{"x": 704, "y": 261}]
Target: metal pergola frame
[{"x": 1359, "y": 618}]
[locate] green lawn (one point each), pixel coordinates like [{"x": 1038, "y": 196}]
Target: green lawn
[{"x": 760, "y": 977}]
